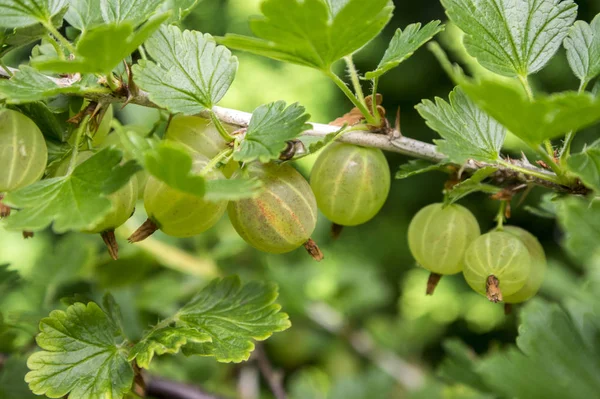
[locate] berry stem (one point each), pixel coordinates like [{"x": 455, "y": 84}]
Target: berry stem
[
  {"x": 336, "y": 230},
  {"x": 313, "y": 249},
  {"x": 432, "y": 282},
  {"x": 492, "y": 289},
  {"x": 500, "y": 217},
  {"x": 508, "y": 308},
  {"x": 110, "y": 240},
  {"x": 4, "y": 209},
  {"x": 144, "y": 231}
]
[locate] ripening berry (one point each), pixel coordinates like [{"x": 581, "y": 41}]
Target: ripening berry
[
  {"x": 176, "y": 213},
  {"x": 538, "y": 265},
  {"x": 497, "y": 264},
  {"x": 350, "y": 183},
  {"x": 438, "y": 237},
  {"x": 282, "y": 217},
  {"x": 23, "y": 153}
]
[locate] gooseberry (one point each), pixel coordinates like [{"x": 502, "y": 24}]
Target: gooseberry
[
  {"x": 350, "y": 183},
  {"x": 177, "y": 213},
  {"x": 497, "y": 264},
  {"x": 282, "y": 217},
  {"x": 438, "y": 237}
]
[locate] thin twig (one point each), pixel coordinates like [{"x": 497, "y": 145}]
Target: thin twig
[
  {"x": 273, "y": 378},
  {"x": 522, "y": 170},
  {"x": 161, "y": 388}
]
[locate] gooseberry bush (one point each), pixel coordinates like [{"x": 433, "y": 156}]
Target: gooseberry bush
[{"x": 72, "y": 168}]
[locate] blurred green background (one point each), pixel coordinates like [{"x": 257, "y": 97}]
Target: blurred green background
[{"x": 366, "y": 292}]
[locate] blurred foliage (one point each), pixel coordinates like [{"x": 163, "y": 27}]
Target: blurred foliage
[{"x": 368, "y": 276}]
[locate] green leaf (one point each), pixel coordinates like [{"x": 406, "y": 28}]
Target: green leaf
[
  {"x": 546, "y": 117},
  {"x": 84, "y": 14},
  {"x": 18, "y": 13},
  {"x": 172, "y": 164},
  {"x": 580, "y": 220},
  {"x": 313, "y": 144},
  {"x": 586, "y": 165},
  {"x": 168, "y": 339},
  {"x": 469, "y": 132},
  {"x": 232, "y": 189},
  {"x": 312, "y": 32},
  {"x": 101, "y": 49},
  {"x": 553, "y": 361},
  {"x": 418, "y": 166},
  {"x": 583, "y": 49},
  {"x": 82, "y": 356},
  {"x": 73, "y": 202},
  {"x": 133, "y": 11},
  {"x": 28, "y": 85},
  {"x": 190, "y": 73},
  {"x": 512, "y": 37},
  {"x": 221, "y": 321},
  {"x": 404, "y": 44},
  {"x": 270, "y": 127},
  {"x": 472, "y": 185}
]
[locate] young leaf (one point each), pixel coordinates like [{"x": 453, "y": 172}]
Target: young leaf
[
  {"x": 586, "y": 165},
  {"x": 134, "y": 11},
  {"x": 221, "y": 321},
  {"x": 472, "y": 185},
  {"x": 404, "y": 44},
  {"x": 190, "y": 73},
  {"x": 313, "y": 144},
  {"x": 580, "y": 220},
  {"x": 19, "y": 13},
  {"x": 469, "y": 132},
  {"x": 232, "y": 189},
  {"x": 172, "y": 164},
  {"x": 84, "y": 14},
  {"x": 512, "y": 37},
  {"x": 312, "y": 32},
  {"x": 101, "y": 49},
  {"x": 73, "y": 202},
  {"x": 82, "y": 356},
  {"x": 418, "y": 166},
  {"x": 546, "y": 117},
  {"x": 552, "y": 359},
  {"x": 28, "y": 85},
  {"x": 583, "y": 49},
  {"x": 270, "y": 127}
]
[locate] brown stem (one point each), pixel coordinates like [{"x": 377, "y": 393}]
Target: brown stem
[
  {"x": 492, "y": 289},
  {"x": 336, "y": 230},
  {"x": 508, "y": 308},
  {"x": 27, "y": 234},
  {"x": 143, "y": 232},
  {"x": 432, "y": 282},
  {"x": 313, "y": 249},
  {"x": 111, "y": 243},
  {"x": 273, "y": 378},
  {"x": 4, "y": 209},
  {"x": 160, "y": 388}
]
